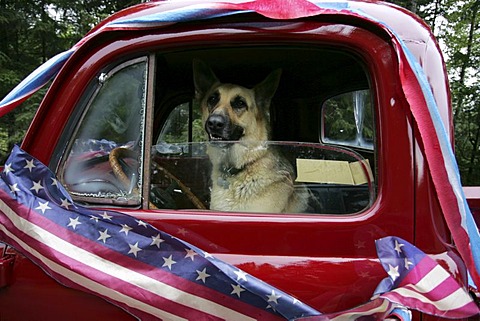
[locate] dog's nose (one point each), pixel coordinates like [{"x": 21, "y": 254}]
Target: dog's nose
[{"x": 216, "y": 123}]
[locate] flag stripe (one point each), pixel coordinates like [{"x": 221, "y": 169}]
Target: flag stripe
[
  {"x": 79, "y": 279},
  {"x": 158, "y": 274},
  {"x": 455, "y": 300},
  {"x": 422, "y": 303},
  {"x": 137, "y": 279},
  {"x": 379, "y": 306},
  {"x": 440, "y": 158},
  {"x": 431, "y": 280}
]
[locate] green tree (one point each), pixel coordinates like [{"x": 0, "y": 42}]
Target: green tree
[{"x": 31, "y": 32}]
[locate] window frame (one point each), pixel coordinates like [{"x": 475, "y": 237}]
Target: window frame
[{"x": 78, "y": 116}]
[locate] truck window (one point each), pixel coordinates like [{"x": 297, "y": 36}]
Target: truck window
[
  {"x": 320, "y": 118},
  {"x": 103, "y": 158},
  {"x": 347, "y": 120}
]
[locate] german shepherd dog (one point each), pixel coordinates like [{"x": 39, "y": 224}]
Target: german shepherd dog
[{"x": 247, "y": 174}]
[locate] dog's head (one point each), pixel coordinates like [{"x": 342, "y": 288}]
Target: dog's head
[{"x": 231, "y": 112}]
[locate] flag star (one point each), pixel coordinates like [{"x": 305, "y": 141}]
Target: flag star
[
  {"x": 125, "y": 229},
  {"x": 237, "y": 289},
  {"x": 241, "y": 275},
  {"x": 14, "y": 188},
  {"x": 54, "y": 181},
  {"x": 43, "y": 207},
  {"x": 141, "y": 223},
  {"x": 104, "y": 236},
  {"x": 273, "y": 297},
  {"x": 407, "y": 264},
  {"x": 156, "y": 240},
  {"x": 393, "y": 272},
  {"x": 37, "y": 186},
  {"x": 105, "y": 216},
  {"x": 168, "y": 262},
  {"x": 190, "y": 254},
  {"x": 202, "y": 275},
  {"x": 398, "y": 247},
  {"x": 8, "y": 168},
  {"x": 65, "y": 203},
  {"x": 30, "y": 165},
  {"x": 134, "y": 249},
  {"x": 74, "y": 222},
  {"x": 95, "y": 218},
  {"x": 207, "y": 255},
  {"x": 295, "y": 301}
]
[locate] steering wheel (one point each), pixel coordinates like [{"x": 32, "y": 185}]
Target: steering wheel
[{"x": 121, "y": 152}]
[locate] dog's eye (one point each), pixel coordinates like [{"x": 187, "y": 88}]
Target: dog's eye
[
  {"x": 239, "y": 103},
  {"x": 212, "y": 101}
]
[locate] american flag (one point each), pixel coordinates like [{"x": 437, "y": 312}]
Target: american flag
[
  {"x": 149, "y": 273},
  {"x": 154, "y": 275},
  {"x": 415, "y": 281}
]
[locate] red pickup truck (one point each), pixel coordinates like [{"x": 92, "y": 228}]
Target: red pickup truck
[{"x": 121, "y": 130}]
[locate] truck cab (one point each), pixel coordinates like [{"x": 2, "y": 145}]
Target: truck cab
[{"x": 339, "y": 115}]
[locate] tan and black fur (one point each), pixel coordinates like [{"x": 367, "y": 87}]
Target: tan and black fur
[{"x": 247, "y": 174}]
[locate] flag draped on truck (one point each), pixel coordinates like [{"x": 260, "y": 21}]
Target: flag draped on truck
[
  {"x": 154, "y": 275},
  {"x": 27, "y": 215}
]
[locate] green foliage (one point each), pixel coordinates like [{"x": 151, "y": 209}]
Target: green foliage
[
  {"x": 31, "y": 32},
  {"x": 456, "y": 26}
]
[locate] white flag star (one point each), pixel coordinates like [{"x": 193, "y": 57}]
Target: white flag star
[
  {"x": 43, "y": 207},
  {"x": 65, "y": 203},
  {"x": 134, "y": 249},
  {"x": 54, "y": 182},
  {"x": 95, "y": 218},
  {"x": 207, "y": 255},
  {"x": 8, "y": 168},
  {"x": 273, "y": 297},
  {"x": 202, "y": 275},
  {"x": 156, "y": 240},
  {"x": 237, "y": 289},
  {"x": 74, "y": 222},
  {"x": 37, "y": 186},
  {"x": 190, "y": 254},
  {"x": 105, "y": 216},
  {"x": 168, "y": 262},
  {"x": 407, "y": 264},
  {"x": 103, "y": 236},
  {"x": 241, "y": 275},
  {"x": 14, "y": 188},
  {"x": 393, "y": 272},
  {"x": 125, "y": 229},
  {"x": 398, "y": 247},
  {"x": 141, "y": 223},
  {"x": 30, "y": 165}
]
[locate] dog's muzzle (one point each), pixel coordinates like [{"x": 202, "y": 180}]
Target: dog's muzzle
[{"x": 220, "y": 128}]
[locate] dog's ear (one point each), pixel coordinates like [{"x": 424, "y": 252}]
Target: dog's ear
[
  {"x": 265, "y": 90},
  {"x": 203, "y": 77}
]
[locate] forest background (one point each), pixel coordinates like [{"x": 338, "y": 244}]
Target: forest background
[{"x": 32, "y": 31}]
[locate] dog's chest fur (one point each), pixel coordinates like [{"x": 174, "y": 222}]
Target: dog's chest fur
[{"x": 250, "y": 183}]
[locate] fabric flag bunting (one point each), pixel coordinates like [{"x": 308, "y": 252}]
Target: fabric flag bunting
[
  {"x": 153, "y": 275},
  {"x": 415, "y": 281},
  {"x": 124, "y": 260},
  {"x": 418, "y": 282}
]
